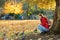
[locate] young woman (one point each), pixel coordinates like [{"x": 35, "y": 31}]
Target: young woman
[{"x": 44, "y": 26}]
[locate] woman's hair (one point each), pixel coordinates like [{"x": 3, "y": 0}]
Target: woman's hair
[{"x": 41, "y": 15}]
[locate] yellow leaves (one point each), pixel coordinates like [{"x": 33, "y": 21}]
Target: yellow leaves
[
  {"x": 12, "y": 27},
  {"x": 47, "y": 5},
  {"x": 13, "y": 8},
  {"x": 34, "y": 0}
]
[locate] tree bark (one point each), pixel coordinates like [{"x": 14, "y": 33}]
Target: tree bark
[{"x": 56, "y": 22}]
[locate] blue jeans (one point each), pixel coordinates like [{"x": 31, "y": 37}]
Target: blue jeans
[{"x": 42, "y": 28}]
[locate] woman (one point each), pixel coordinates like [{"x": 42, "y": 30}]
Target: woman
[{"x": 44, "y": 26}]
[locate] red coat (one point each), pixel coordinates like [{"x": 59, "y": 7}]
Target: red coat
[{"x": 44, "y": 22}]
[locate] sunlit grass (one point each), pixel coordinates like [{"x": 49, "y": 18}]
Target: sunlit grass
[{"x": 10, "y": 27}]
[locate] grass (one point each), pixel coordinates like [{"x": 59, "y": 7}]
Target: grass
[{"x": 14, "y": 26}]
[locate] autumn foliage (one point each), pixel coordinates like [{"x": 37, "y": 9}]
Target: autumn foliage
[{"x": 11, "y": 7}]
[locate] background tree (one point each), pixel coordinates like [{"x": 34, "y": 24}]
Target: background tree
[
  {"x": 34, "y": 6},
  {"x": 2, "y": 2}
]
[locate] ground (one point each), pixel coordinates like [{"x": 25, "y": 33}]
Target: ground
[
  {"x": 42, "y": 37},
  {"x": 11, "y": 27}
]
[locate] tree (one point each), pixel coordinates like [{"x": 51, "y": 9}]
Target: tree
[
  {"x": 13, "y": 7},
  {"x": 2, "y": 2},
  {"x": 56, "y": 20}
]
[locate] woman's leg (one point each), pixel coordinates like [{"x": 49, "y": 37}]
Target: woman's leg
[
  {"x": 40, "y": 28},
  {"x": 45, "y": 29}
]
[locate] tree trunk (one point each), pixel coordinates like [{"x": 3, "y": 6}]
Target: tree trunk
[{"x": 56, "y": 23}]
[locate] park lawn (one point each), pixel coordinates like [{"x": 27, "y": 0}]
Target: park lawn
[{"x": 13, "y": 26}]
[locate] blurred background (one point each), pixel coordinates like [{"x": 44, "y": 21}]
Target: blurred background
[{"x": 26, "y": 9}]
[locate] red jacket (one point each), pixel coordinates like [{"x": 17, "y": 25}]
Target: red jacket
[{"x": 44, "y": 22}]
